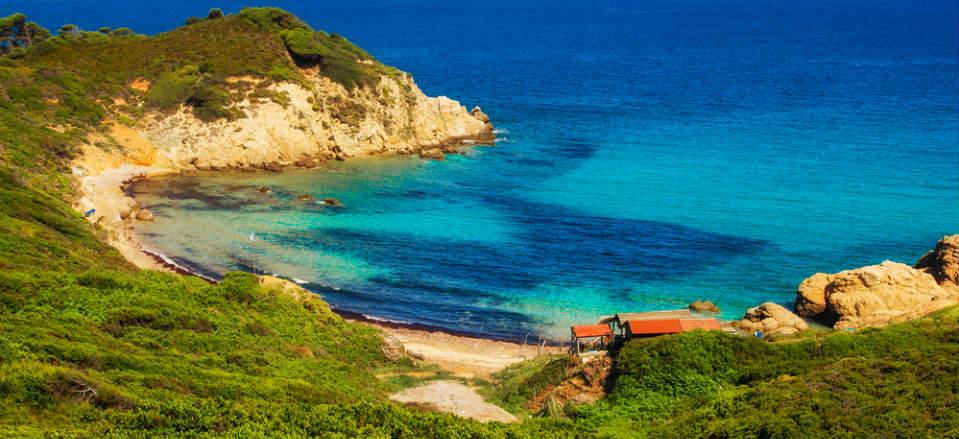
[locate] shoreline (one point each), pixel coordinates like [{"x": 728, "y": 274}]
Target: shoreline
[
  {"x": 171, "y": 266},
  {"x": 107, "y": 190}
]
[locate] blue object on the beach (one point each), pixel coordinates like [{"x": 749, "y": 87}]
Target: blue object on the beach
[
  {"x": 89, "y": 212},
  {"x": 758, "y": 334}
]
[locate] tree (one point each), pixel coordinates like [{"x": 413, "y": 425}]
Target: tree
[
  {"x": 16, "y": 31},
  {"x": 193, "y": 20},
  {"x": 215, "y": 13},
  {"x": 105, "y": 30},
  {"x": 68, "y": 30},
  {"x": 123, "y": 32}
]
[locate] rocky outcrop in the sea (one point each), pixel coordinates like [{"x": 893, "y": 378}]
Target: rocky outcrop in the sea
[
  {"x": 771, "y": 318},
  {"x": 877, "y": 295}
]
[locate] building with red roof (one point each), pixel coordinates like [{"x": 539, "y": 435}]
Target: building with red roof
[
  {"x": 650, "y": 328},
  {"x": 592, "y": 337}
]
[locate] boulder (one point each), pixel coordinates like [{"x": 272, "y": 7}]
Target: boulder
[
  {"x": 478, "y": 113},
  {"x": 330, "y": 201},
  {"x": 144, "y": 215},
  {"x": 703, "y": 306},
  {"x": 305, "y": 197},
  {"x": 264, "y": 190},
  {"x": 307, "y": 162},
  {"x": 771, "y": 318},
  {"x": 811, "y": 295},
  {"x": 434, "y": 154},
  {"x": 943, "y": 262},
  {"x": 273, "y": 166},
  {"x": 875, "y": 295}
]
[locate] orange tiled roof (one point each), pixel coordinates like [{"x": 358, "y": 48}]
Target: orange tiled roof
[
  {"x": 591, "y": 331},
  {"x": 669, "y": 326}
]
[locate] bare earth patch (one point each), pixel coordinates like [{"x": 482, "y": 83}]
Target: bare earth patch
[
  {"x": 465, "y": 356},
  {"x": 453, "y": 397}
]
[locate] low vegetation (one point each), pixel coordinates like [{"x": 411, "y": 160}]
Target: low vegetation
[{"x": 90, "y": 347}]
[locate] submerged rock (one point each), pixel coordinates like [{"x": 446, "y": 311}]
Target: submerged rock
[
  {"x": 771, "y": 318},
  {"x": 330, "y": 201},
  {"x": 264, "y": 189},
  {"x": 305, "y": 197}
]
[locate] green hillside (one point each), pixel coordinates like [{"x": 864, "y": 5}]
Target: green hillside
[{"x": 91, "y": 347}]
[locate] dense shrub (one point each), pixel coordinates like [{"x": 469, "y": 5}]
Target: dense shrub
[{"x": 272, "y": 19}]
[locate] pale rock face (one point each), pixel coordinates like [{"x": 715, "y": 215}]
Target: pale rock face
[
  {"x": 771, "y": 318},
  {"x": 943, "y": 262},
  {"x": 395, "y": 118},
  {"x": 811, "y": 296},
  {"x": 875, "y": 295}
]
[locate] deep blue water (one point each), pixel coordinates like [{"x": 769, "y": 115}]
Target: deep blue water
[{"x": 651, "y": 153}]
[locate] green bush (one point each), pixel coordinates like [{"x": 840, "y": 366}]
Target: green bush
[{"x": 272, "y": 19}]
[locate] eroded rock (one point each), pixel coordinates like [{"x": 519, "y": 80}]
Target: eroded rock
[
  {"x": 875, "y": 295},
  {"x": 144, "y": 215},
  {"x": 771, "y": 318},
  {"x": 943, "y": 262},
  {"x": 703, "y": 306},
  {"x": 433, "y": 154}
]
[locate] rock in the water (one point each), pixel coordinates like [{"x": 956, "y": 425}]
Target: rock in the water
[
  {"x": 144, "y": 215},
  {"x": 771, "y": 318},
  {"x": 479, "y": 114},
  {"x": 943, "y": 262},
  {"x": 703, "y": 306},
  {"x": 306, "y": 162},
  {"x": 273, "y": 166},
  {"x": 330, "y": 201},
  {"x": 305, "y": 197},
  {"x": 872, "y": 296},
  {"x": 434, "y": 154},
  {"x": 264, "y": 189}
]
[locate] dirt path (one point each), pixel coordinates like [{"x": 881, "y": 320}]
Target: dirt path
[
  {"x": 465, "y": 356},
  {"x": 456, "y": 398}
]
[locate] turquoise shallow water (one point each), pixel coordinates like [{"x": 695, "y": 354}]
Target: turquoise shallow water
[{"x": 650, "y": 154}]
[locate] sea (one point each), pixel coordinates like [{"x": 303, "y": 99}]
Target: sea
[{"x": 648, "y": 154}]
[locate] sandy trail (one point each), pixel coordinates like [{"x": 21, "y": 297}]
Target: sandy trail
[
  {"x": 465, "y": 356},
  {"x": 455, "y": 398}
]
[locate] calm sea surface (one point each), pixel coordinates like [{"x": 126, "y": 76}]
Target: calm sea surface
[{"x": 651, "y": 153}]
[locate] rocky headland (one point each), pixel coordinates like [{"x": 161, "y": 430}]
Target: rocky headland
[{"x": 306, "y": 116}]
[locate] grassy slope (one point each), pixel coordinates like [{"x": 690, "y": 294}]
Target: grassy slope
[{"x": 173, "y": 355}]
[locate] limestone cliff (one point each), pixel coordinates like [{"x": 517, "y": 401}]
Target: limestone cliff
[{"x": 288, "y": 123}]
